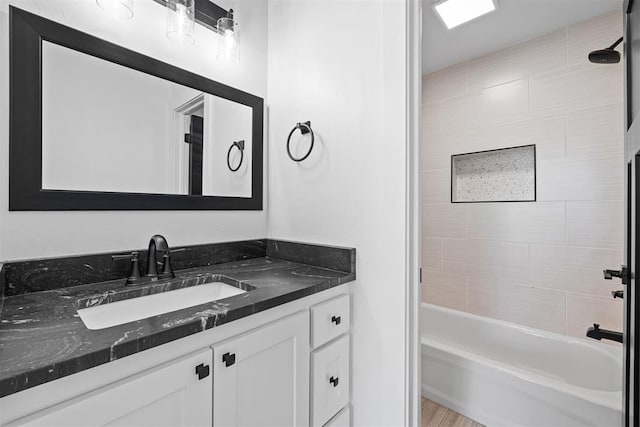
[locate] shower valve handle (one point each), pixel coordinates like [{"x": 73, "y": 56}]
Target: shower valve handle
[{"x": 622, "y": 274}]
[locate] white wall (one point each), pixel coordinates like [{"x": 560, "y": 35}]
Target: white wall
[
  {"x": 341, "y": 65},
  {"x": 539, "y": 264},
  {"x": 42, "y": 234}
]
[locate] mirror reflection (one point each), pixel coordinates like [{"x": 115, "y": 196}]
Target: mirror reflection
[{"x": 110, "y": 128}]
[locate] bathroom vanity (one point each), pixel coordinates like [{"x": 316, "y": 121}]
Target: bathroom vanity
[
  {"x": 276, "y": 352},
  {"x": 240, "y": 333}
]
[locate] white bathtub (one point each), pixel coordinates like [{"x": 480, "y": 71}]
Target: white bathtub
[{"x": 503, "y": 374}]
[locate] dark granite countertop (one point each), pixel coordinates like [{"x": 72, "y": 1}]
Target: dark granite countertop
[{"x": 42, "y": 338}]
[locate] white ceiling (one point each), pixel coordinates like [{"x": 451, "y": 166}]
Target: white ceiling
[{"x": 514, "y": 21}]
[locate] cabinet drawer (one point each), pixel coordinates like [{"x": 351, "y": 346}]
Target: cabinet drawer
[
  {"x": 330, "y": 380},
  {"x": 329, "y": 320},
  {"x": 343, "y": 419}
]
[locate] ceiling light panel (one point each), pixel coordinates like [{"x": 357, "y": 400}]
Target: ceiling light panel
[{"x": 457, "y": 12}]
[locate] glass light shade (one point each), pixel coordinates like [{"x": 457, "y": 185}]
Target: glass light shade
[
  {"x": 122, "y": 9},
  {"x": 181, "y": 18},
  {"x": 228, "y": 40}
]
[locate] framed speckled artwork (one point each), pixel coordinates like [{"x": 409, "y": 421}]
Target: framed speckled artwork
[{"x": 502, "y": 175}]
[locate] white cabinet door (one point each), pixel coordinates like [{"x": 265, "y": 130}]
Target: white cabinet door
[
  {"x": 342, "y": 419},
  {"x": 261, "y": 378},
  {"x": 330, "y": 380},
  {"x": 172, "y": 394}
]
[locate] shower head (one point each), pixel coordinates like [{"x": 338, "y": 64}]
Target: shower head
[{"x": 606, "y": 56}]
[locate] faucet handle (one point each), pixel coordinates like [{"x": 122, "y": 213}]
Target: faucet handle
[
  {"x": 167, "y": 269},
  {"x": 134, "y": 275},
  {"x": 130, "y": 256}
]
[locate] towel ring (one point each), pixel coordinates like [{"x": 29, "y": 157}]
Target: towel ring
[
  {"x": 305, "y": 128},
  {"x": 240, "y": 146}
]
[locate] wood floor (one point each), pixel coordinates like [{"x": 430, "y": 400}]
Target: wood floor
[{"x": 434, "y": 415}]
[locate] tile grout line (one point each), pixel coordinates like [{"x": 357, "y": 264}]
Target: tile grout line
[
  {"x": 566, "y": 315},
  {"x": 566, "y": 130}
]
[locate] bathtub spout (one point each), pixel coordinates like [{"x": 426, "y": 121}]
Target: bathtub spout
[{"x": 598, "y": 334}]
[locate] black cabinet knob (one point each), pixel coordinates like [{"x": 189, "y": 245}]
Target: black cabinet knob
[
  {"x": 334, "y": 381},
  {"x": 336, "y": 319},
  {"x": 617, "y": 294},
  {"x": 202, "y": 371},
  {"x": 229, "y": 359}
]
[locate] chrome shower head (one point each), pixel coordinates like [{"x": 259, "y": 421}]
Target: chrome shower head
[{"x": 606, "y": 56}]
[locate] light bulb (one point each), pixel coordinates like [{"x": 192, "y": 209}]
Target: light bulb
[
  {"x": 181, "y": 17},
  {"x": 228, "y": 41},
  {"x": 180, "y": 21},
  {"x": 122, "y": 9}
]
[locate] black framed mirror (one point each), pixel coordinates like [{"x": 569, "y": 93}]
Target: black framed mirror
[{"x": 95, "y": 126}]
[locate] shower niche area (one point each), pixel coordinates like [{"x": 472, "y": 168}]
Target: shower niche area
[{"x": 503, "y": 175}]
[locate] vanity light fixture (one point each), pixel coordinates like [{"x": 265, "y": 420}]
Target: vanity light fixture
[
  {"x": 181, "y": 17},
  {"x": 210, "y": 16},
  {"x": 457, "y": 12},
  {"x": 228, "y": 42},
  {"x": 122, "y": 9}
]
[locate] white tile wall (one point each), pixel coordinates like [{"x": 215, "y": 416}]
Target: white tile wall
[
  {"x": 444, "y": 145},
  {"x": 539, "y": 308},
  {"x": 487, "y": 107},
  {"x": 507, "y": 102},
  {"x": 432, "y": 254},
  {"x": 539, "y": 264},
  {"x": 595, "y": 130},
  {"x": 547, "y": 133},
  {"x": 432, "y": 114},
  {"x": 585, "y": 177},
  {"x": 445, "y": 289},
  {"x": 495, "y": 260},
  {"x": 445, "y": 84},
  {"x": 542, "y": 222},
  {"x": 435, "y": 188},
  {"x": 445, "y": 220},
  {"x": 539, "y": 55},
  {"x": 595, "y": 224},
  {"x": 457, "y": 115},
  {"x": 573, "y": 269},
  {"x": 574, "y": 88}
]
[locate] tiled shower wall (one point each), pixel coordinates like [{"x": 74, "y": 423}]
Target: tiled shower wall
[{"x": 534, "y": 263}]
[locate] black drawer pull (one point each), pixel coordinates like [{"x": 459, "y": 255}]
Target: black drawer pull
[
  {"x": 336, "y": 320},
  {"x": 229, "y": 359},
  {"x": 202, "y": 371},
  {"x": 334, "y": 381}
]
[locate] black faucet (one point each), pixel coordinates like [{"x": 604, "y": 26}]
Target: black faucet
[
  {"x": 158, "y": 243},
  {"x": 598, "y": 334}
]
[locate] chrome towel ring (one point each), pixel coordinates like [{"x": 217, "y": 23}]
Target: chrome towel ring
[
  {"x": 240, "y": 146},
  {"x": 305, "y": 128}
]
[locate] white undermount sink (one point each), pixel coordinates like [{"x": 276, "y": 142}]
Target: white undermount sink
[{"x": 120, "y": 312}]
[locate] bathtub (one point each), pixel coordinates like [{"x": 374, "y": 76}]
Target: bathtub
[{"x": 503, "y": 374}]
